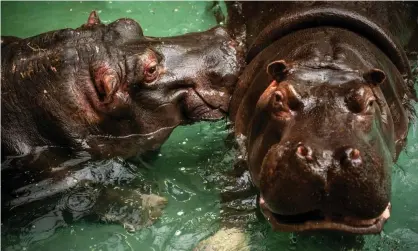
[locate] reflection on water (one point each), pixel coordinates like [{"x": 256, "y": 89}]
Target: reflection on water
[{"x": 188, "y": 170}]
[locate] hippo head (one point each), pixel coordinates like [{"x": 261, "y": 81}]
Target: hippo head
[
  {"x": 320, "y": 149},
  {"x": 159, "y": 83},
  {"x": 120, "y": 92}
]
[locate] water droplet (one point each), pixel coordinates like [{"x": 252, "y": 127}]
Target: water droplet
[
  {"x": 176, "y": 10},
  {"x": 159, "y": 155},
  {"x": 129, "y": 11},
  {"x": 180, "y": 213},
  {"x": 182, "y": 169},
  {"x": 184, "y": 142},
  {"x": 177, "y": 233},
  {"x": 71, "y": 9}
]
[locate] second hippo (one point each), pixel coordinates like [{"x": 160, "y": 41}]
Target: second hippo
[{"x": 322, "y": 110}]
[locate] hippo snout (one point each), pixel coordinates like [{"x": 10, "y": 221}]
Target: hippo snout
[
  {"x": 305, "y": 182},
  {"x": 347, "y": 156}
]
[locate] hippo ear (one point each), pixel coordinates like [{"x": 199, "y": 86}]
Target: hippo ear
[
  {"x": 277, "y": 69},
  {"x": 375, "y": 76},
  {"x": 93, "y": 19}
]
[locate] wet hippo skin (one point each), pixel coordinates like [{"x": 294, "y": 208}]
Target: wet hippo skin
[
  {"x": 99, "y": 92},
  {"x": 109, "y": 89},
  {"x": 322, "y": 110}
]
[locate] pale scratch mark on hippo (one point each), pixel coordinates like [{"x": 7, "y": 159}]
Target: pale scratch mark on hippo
[{"x": 36, "y": 49}]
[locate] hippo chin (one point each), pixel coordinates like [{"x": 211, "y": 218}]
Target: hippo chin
[
  {"x": 110, "y": 89},
  {"x": 322, "y": 109}
]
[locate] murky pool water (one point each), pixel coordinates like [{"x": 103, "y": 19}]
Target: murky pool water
[{"x": 187, "y": 170}]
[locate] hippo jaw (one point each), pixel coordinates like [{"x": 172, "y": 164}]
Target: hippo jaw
[{"x": 315, "y": 220}]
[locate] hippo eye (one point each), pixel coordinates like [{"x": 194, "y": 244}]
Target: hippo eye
[{"x": 150, "y": 72}]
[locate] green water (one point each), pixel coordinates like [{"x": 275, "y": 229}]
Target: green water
[{"x": 187, "y": 169}]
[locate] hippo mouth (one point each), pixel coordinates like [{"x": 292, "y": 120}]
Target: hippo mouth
[
  {"x": 317, "y": 221},
  {"x": 199, "y": 105}
]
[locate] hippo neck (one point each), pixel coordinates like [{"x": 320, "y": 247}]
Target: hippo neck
[{"x": 335, "y": 17}]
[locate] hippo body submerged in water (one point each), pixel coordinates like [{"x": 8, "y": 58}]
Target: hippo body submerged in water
[
  {"x": 100, "y": 91},
  {"x": 322, "y": 110}
]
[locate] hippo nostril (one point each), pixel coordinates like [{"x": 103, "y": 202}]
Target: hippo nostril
[
  {"x": 354, "y": 154},
  {"x": 351, "y": 157},
  {"x": 278, "y": 96},
  {"x": 304, "y": 152}
]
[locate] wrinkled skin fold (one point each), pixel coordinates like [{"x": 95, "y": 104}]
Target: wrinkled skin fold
[{"x": 322, "y": 110}]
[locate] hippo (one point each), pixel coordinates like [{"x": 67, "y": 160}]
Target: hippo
[
  {"x": 105, "y": 93},
  {"x": 321, "y": 111},
  {"x": 110, "y": 89}
]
